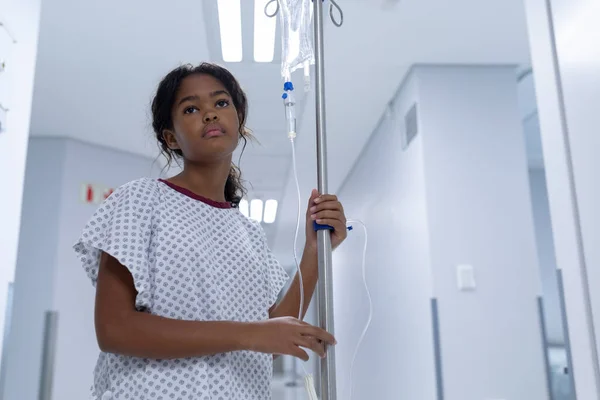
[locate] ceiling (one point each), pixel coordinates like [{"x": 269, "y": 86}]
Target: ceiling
[{"x": 99, "y": 62}]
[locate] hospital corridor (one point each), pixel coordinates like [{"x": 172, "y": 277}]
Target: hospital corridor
[{"x": 299, "y": 200}]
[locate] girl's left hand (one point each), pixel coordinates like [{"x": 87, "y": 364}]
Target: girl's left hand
[{"x": 326, "y": 210}]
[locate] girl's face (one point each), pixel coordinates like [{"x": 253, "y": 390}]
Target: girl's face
[{"x": 206, "y": 126}]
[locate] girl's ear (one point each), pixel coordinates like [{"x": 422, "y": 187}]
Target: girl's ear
[{"x": 170, "y": 139}]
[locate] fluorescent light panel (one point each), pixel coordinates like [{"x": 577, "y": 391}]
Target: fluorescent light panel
[
  {"x": 244, "y": 208},
  {"x": 270, "y": 211},
  {"x": 256, "y": 210},
  {"x": 230, "y": 25},
  {"x": 264, "y": 33},
  {"x": 259, "y": 211}
]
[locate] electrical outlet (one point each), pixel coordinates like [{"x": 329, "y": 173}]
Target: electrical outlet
[{"x": 465, "y": 276}]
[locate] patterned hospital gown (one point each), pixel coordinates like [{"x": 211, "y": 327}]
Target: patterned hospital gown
[{"x": 191, "y": 259}]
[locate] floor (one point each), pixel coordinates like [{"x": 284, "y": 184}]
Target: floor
[{"x": 283, "y": 390}]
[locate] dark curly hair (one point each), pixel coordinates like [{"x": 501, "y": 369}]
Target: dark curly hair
[{"x": 162, "y": 106}]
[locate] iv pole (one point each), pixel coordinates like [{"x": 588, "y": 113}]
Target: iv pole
[
  {"x": 325, "y": 282},
  {"x": 327, "y": 382}
]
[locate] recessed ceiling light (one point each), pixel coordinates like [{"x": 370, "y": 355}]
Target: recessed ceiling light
[
  {"x": 256, "y": 210},
  {"x": 244, "y": 208},
  {"x": 264, "y": 32},
  {"x": 230, "y": 25},
  {"x": 270, "y": 211}
]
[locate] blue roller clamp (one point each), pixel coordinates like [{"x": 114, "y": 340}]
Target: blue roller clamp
[{"x": 319, "y": 227}]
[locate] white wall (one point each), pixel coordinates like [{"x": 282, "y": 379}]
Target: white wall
[
  {"x": 531, "y": 123},
  {"x": 49, "y": 276},
  {"x": 36, "y": 262},
  {"x": 386, "y": 190},
  {"x": 74, "y": 294},
  {"x": 567, "y": 81},
  {"x": 479, "y": 212},
  {"x": 545, "y": 250},
  {"x": 577, "y": 41},
  {"x": 458, "y": 194},
  {"x": 16, "y": 88},
  {"x": 541, "y": 209}
]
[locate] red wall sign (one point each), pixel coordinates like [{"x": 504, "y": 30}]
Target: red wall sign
[{"x": 93, "y": 193}]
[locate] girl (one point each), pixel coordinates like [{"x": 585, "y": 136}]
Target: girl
[{"x": 186, "y": 286}]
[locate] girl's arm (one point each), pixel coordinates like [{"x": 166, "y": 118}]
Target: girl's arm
[
  {"x": 290, "y": 304},
  {"x": 121, "y": 329},
  {"x": 327, "y": 210}
]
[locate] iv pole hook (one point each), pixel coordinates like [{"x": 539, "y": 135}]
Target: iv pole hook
[
  {"x": 335, "y": 22},
  {"x": 276, "y": 8},
  {"x": 333, "y": 5}
]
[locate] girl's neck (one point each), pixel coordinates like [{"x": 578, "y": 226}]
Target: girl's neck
[{"x": 204, "y": 180}]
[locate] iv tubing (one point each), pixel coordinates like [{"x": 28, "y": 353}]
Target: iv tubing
[
  {"x": 309, "y": 383},
  {"x": 368, "y": 324},
  {"x": 301, "y": 309},
  {"x": 309, "y": 379}
]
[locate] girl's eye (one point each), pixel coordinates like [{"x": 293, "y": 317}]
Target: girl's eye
[
  {"x": 222, "y": 103},
  {"x": 190, "y": 110}
]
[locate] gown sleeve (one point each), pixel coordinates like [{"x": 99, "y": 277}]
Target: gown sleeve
[{"x": 122, "y": 228}]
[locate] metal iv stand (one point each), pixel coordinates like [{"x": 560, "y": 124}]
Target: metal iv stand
[
  {"x": 327, "y": 386},
  {"x": 327, "y": 381}
]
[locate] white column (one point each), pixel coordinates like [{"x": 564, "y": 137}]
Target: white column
[
  {"x": 566, "y": 68},
  {"x": 457, "y": 194},
  {"x": 479, "y": 215},
  {"x": 386, "y": 190}
]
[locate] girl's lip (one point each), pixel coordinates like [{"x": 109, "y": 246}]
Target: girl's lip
[
  {"x": 213, "y": 130},
  {"x": 213, "y": 133}
]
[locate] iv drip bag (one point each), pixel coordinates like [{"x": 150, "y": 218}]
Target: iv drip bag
[{"x": 297, "y": 42}]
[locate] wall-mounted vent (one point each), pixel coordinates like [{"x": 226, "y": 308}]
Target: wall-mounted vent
[{"x": 411, "y": 126}]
